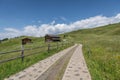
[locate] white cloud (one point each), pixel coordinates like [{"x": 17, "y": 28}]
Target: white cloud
[
  {"x": 53, "y": 28},
  {"x": 11, "y": 30},
  {"x": 39, "y": 21},
  {"x": 53, "y": 22},
  {"x": 117, "y": 16},
  {"x": 63, "y": 18}
]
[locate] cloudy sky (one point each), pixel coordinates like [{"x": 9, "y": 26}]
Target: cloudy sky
[{"x": 40, "y": 17}]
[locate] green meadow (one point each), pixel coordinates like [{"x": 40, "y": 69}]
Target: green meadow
[
  {"x": 101, "y": 48},
  {"x": 14, "y": 66}
]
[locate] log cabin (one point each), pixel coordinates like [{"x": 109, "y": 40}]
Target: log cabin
[
  {"x": 26, "y": 40},
  {"x": 52, "y": 38}
]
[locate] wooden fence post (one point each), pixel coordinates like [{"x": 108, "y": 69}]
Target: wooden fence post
[
  {"x": 57, "y": 45},
  {"x": 22, "y": 53},
  {"x": 62, "y": 44},
  {"x": 48, "y": 47}
]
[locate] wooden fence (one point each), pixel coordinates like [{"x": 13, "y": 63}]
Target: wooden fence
[{"x": 22, "y": 51}]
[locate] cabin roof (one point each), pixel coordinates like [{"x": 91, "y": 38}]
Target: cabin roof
[{"x": 51, "y": 35}]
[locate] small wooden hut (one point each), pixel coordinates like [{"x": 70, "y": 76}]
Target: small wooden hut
[
  {"x": 26, "y": 40},
  {"x": 52, "y": 38}
]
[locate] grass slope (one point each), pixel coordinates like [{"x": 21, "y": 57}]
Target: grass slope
[
  {"x": 15, "y": 43},
  {"x": 101, "y": 47},
  {"x": 12, "y": 67}
]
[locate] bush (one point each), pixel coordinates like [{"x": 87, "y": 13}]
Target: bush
[{"x": 5, "y": 39}]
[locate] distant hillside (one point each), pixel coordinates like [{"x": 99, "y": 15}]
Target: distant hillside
[
  {"x": 101, "y": 47},
  {"x": 15, "y": 43},
  {"x": 112, "y": 29}
]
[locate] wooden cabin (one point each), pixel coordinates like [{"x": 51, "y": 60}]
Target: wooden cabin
[
  {"x": 52, "y": 38},
  {"x": 26, "y": 40}
]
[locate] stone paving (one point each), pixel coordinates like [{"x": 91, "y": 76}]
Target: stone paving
[
  {"x": 76, "y": 68},
  {"x": 33, "y": 72}
]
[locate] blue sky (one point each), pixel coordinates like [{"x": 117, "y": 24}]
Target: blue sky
[{"x": 17, "y": 14}]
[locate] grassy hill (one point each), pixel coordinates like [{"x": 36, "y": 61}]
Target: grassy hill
[
  {"x": 15, "y": 43},
  {"x": 14, "y": 66},
  {"x": 101, "y": 47}
]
